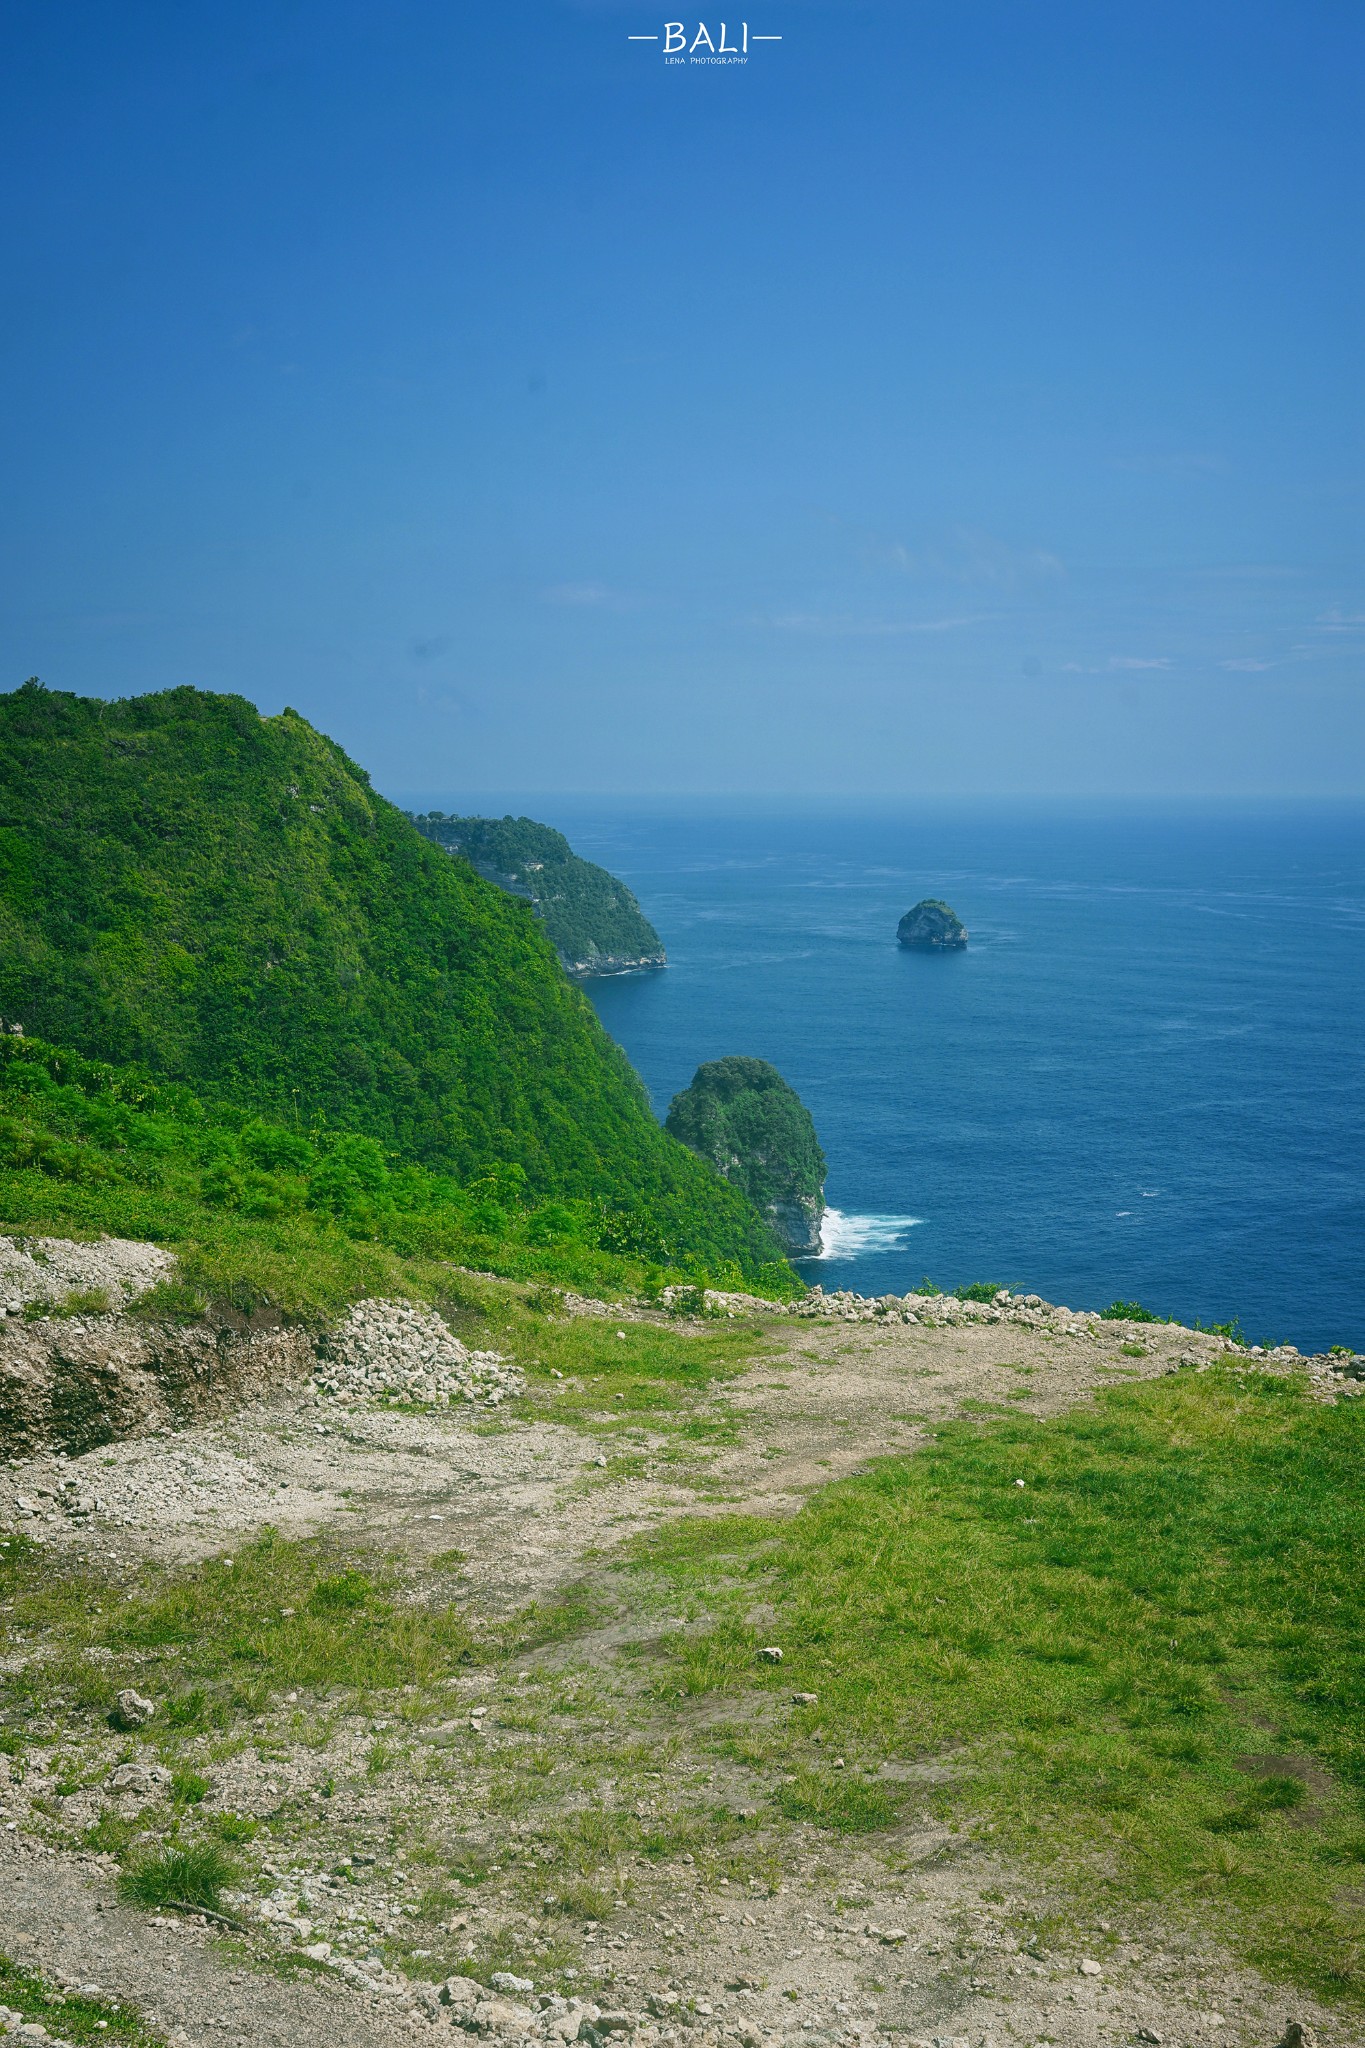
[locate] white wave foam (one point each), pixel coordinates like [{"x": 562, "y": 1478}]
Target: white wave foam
[{"x": 849, "y": 1237}]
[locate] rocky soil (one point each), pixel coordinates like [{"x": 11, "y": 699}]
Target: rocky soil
[
  {"x": 805, "y": 1938},
  {"x": 47, "y": 1269},
  {"x": 78, "y": 1371}
]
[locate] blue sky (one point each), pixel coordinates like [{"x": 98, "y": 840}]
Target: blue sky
[{"x": 960, "y": 397}]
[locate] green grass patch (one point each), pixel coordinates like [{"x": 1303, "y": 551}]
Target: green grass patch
[
  {"x": 837, "y": 1800},
  {"x": 216, "y": 1641},
  {"x": 77, "y": 1301},
  {"x": 190, "y": 1876},
  {"x": 1147, "y": 1658},
  {"x": 657, "y": 1376},
  {"x": 70, "y": 2016}
]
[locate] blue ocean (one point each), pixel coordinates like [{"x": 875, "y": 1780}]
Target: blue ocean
[{"x": 1144, "y": 1079}]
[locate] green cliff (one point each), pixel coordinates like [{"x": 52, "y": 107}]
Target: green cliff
[
  {"x": 590, "y": 918},
  {"x": 223, "y": 899},
  {"x": 756, "y": 1131}
]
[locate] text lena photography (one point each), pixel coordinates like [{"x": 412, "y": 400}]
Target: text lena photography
[{"x": 682, "y": 948}]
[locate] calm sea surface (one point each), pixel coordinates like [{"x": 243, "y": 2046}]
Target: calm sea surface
[{"x": 1145, "y": 1079}]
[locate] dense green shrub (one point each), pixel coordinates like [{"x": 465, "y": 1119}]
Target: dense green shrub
[
  {"x": 1127, "y": 1312},
  {"x": 189, "y": 1875},
  {"x": 285, "y": 1215}
]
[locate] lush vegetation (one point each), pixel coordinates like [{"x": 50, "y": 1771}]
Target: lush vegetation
[
  {"x": 257, "y": 1210},
  {"x": 741, "y": 1116},
  {"x": 1135, "y": 1629},
  {"x": 590, "y": 918},
  {"x": 223, "y": 899}
]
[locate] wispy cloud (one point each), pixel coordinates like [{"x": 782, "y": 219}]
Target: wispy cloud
[
  {"x": 588, "y": 596},
  {"x": 841, "y": 624},
  {"x": 1245, "y": 572},
  {"x": 1118, "y": 664},
  {"x": 1180, "y": 462},
  {"x": 966, "y": 554},
  {"x": 1247, "y": 665},
  {"x": 1338, "y": 621}
]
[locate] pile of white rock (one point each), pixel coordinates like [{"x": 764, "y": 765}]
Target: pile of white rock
[
  {"x": 843, "y": 1305},
  {"x": 391, "y": 1350}
]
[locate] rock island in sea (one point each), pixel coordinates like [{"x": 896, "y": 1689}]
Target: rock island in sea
[
  {"x": 932, "y": 924},
  {"x": 756, "y": 1131}
]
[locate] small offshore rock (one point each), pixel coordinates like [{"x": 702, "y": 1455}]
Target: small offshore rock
[
  {"x": 932, "y": 924},
  {"x": 131, "y": 1710}
]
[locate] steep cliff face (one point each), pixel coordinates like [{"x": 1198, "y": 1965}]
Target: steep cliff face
[
  {"x": 756, "y": 1131},
  {"x": 590, "y": 918},
  {"x": 932, "y": 924}
]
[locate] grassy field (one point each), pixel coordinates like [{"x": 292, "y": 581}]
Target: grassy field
[
  {"x": 1135, "y": 1631},
  {"x": 219, "y": 1638},
  {"x": 1127, "y": 1639}
]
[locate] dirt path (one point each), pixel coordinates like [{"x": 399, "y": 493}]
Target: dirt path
[{"x": 915, "y": 1938}]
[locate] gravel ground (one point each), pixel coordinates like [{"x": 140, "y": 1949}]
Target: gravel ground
[
  {"x": 847, "y": 1948},
  {"x": 46, "y": 1269}
]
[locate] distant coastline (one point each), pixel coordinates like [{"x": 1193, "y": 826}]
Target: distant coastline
[{"x": 590, "y": 917}]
